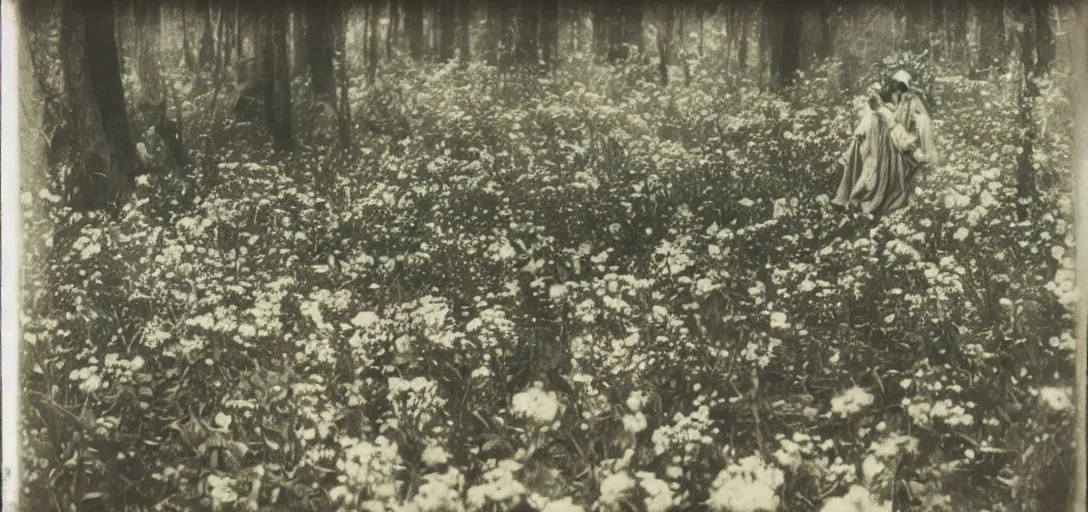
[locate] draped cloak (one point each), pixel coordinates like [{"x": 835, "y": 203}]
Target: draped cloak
[{"x": 881, "y": 163}]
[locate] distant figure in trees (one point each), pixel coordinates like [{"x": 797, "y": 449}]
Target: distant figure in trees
[{"x": 893, "y": 141}]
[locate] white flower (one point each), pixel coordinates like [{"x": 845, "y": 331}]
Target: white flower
[
  {"x": 1058, "y": 399},
  {"x": 223, "y": 420},
  {"x": 364, "y": 319},
  {"x": 851, "y": 401},
  {"x": 961, "y": 234},
  {"x": 779, "y": 320},
  {"x": 221, "y": 489},
  {"x": 439, "y": 493},
  {"x": 636, "y": 401},
  {"x": 535, "y": 403},
  {"x": 746, "y": 202},
  {"x": 750, "y": 485},
  {"x": 634, "y": 423},
  {"x": 563, "y": 505},
  {"x": 434, "y": 456},
  {"x": 871, "y": 467},
  {"x": 90, "y": 250},
  {"x": 615, "y": 488},
  {"x": 658, "y": 495},
  {"x": 857, "y": 499}
]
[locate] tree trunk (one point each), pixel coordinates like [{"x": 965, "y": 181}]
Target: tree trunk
[
  {"x": 299, "y": 41},
  {"x": 120, "y": 29},
  {"x": 528, "y": 28},
  {"x": 186, "y": 47},
  {"x": 390, "y": 33},
  {"x": 343, "y": 112},
  {"x": 465, "y": 29},
  {"x": 682, "y": 47},
  {"x": 206, "y": 57},
  {"x": 702, "y": 25},
  {"x": 276, "y": 74},
  {"x": 431, "y": 28},
  {"x": 447, "y": 29},
  {"x": 148, "y": 22},
  {"x": 791, "y": 46},
  {"x": 916, "y": 27},
  {"x": 1029, "y": 92},
  {"x": 372, "y": 43},
  {"x": 319, "y": 50},
  {"x": 958, "y": 32},
  {"x": 938, "y": 43},
  {"x": 632, "y": 27},
  {"x": 664, "y": 42},
  {"x": 770, "y": 42},
  {"x": 991, "y": 39},
  {"x": 103, "y": 152},
  {"x": 413, "y": 26},
  {"x": 602, "y": 27},
  {"x": 742, "y": 41},
  {"x": 1046, "y": 49},
  {"x": 549, "y": 32},
  {"x": 33, "y": 146},
  {"x": 827, "y": 31}
]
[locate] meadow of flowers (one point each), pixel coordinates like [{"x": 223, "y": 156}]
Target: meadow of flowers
[{"x": 575, "y": 292}]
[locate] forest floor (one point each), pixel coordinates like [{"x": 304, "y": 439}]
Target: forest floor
[{"x": 555, "y": 294}]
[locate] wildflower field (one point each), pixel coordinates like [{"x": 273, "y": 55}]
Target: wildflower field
[{"x": 579, "y": 291}]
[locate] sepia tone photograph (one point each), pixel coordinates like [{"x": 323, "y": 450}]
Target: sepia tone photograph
[{"x": 544, "y": 255}]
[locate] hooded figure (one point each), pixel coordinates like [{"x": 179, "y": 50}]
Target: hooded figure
[{"x": 891, "y": 143}]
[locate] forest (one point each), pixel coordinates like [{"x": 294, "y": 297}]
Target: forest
[{"x": 541, "y": 255}]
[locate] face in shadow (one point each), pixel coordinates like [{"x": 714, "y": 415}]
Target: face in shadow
[{"x": 892, "y": 91}]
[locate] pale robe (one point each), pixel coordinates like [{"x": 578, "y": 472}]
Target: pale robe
[{"x": 880, "y": 165}]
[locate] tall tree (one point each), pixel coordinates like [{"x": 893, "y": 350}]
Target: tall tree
[
  {"x": 991, "y": 38},
  {"x": 206, "y": 55},
  {"x": 528, "y": 29},
  {"x": 33, "y": 145},
  {"x": 372, "y": 42},
  {"x": 413, "y": 26},
  {"x": 957, "y": 29},
  {"x": 617, "y": 26},
  {"x": 276, "y": 75},
  {"x": 102, "y": 150},
  {"x": 464, "y": 20},
  {"x": 391, "y": 31},
  {"x": 299, "y": 41},
  {"x": 1027, "y": 10},
  {"x": 1046, "y": 49},
  {"x": 938, "y": 43},
  {"x": 343, "y": 112},
  {"x": 790, "y": 62},
  {"x": 682, "y": 46},
  {"x": 501, "y": 18},
  {"x": 186, "y": 46},
  {"x": 319, "y": 50},
  {"x": 633, "y": 35},
  {"x": 665, "y": 42},
  {"x": 742, "y": 33},
  {"x": 447, "y": 29},
  {"x": 826, "y": 49},
  {"x": 916, "y": 25},
  {"x": 549, "y": 32},
  {"x": 148, "y": 22}
]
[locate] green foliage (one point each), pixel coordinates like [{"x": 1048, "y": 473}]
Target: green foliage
[{"x": 570, "y": 289}]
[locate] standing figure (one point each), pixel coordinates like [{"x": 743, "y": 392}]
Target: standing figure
[{"x": 893, "y": 141}]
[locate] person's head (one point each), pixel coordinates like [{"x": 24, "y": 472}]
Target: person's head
[{"x": 894, "y": 86}]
